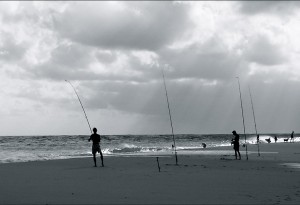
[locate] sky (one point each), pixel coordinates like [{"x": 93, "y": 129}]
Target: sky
[{"x": 114, "y": 53}]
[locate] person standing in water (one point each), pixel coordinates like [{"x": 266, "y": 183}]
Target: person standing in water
[
  {"x": 292, "y": 137},
  {"x": 96, "y": 146},
  {"x": 236, "y": 144}
]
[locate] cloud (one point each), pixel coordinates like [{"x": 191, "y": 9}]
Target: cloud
[
  {"x": 210, "y": 60},
  {"x": 79, "y": 62},
  {"x": 10, "y": 49},
  {"x": 65, "y": 61},
  {"x": 127, "y": 97},
  {"x": 262, "y": 51},
  {"x": 272, "y": 7},
  {"x": 113, "y": 53},
  {"x": 133, "y": 25}
]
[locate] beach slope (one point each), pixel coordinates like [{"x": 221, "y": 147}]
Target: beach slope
[{"x": 201, "y": 178}]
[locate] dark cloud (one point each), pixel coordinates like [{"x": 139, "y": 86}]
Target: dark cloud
[
  {"x": 60, "y": 72},
  {"x": 71, "y": 55},
  {"x": 260, "y": 50},
  {"x": 106, "y": 57},
  {"x": 211, "y": 60},
  {"x": 79, "y": 62},
  {"x": 192, "y": 104},
  {"x": 137, "y": 25},
  {"x": 131, "y": 97},
  {"x": 66, "y": 61}
]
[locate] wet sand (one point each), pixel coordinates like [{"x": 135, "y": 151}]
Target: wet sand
[{"x": 211, "y": 176}]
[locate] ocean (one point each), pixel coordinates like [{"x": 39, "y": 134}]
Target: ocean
[{"x": 36, "y": 148}]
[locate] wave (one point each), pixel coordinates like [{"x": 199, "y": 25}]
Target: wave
[
  {"x": 133, "y": 149},
  {"x": 36, "y": 148},
  {"x": 263, "y": 139}
]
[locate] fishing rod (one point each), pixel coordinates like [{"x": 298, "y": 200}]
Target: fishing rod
[
  {"x": 80, "y": 104},
  {"x": 243, "y": 115},
  {"x": 170, "y": 115},
  {"x": 254, "y": 120}
]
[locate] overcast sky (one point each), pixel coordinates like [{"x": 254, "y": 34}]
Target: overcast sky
[{"x": 113, "y": 53}]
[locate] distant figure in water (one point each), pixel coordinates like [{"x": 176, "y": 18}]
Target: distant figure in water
[
  {"x": 96, "y": 146},
  {"x": 268, "y": 140},
  {"x": 275, "y": 139},
  {"x": 292, "y": 137},
  {"x": 236, "y": 144},
  {"x": 203, "y": 145},
  {"x": 257, "y": 139}
]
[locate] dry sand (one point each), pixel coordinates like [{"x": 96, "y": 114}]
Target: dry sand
[{"x": 208, "y": 177}]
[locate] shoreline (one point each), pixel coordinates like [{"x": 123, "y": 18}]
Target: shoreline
[
  {"x": 197, "y": 179},
  {"x": 214, "y": 150}
]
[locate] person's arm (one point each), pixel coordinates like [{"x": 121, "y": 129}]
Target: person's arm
[{"x": 90, "y": 138}]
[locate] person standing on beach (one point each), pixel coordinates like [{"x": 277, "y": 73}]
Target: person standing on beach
[
  {"x": 236, "y": 144},
  {"x": 292, "y": 137},
  {"x": 96, "y": 146},
  {"x": 257, "y": 139}
]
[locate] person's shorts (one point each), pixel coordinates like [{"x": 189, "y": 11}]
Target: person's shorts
[
  {"x": 95, "y": 148},
  {"x": 236, "y": 147}
]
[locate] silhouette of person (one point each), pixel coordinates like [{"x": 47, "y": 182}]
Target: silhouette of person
[
  {"x": 236, "y": 144},
  {"x": 275, "y": 139},
  {"x": 96, "y": 146},
  {"x": 292, "y": 137},
  {"x": 257, "y": 139}
]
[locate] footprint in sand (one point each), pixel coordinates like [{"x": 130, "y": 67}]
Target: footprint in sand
[{"x": 288, "y": 198}]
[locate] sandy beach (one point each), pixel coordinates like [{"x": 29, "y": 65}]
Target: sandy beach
[{"x": 211, "y": 176}]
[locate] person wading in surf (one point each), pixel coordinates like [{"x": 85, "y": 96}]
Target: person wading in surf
[
  {"x": 96, "y": 146},
  {"x": 236, "y": 144},
  {"x": 292, "y": 137}
]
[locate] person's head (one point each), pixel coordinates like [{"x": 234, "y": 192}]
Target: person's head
[
  {"x": 95, "y": 130},
  {"x": 234, "y": 132}
]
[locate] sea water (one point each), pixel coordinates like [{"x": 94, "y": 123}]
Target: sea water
[{"x": 35, "y": 148}]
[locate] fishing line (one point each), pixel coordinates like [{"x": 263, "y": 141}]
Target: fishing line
[
  {"x": 243, "y": 116},
  {"x": 81, "y": 105},
  {"x": 163, "y": 75},
  {"x": 254, "y": 121}
]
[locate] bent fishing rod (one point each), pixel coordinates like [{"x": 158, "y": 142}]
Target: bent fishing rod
[
  {"x": 166, "y": 91},
  {"x": 254, "y": 120},
  {"x": 243, "y": 116},
  {"x": 81, "y": 105}
]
